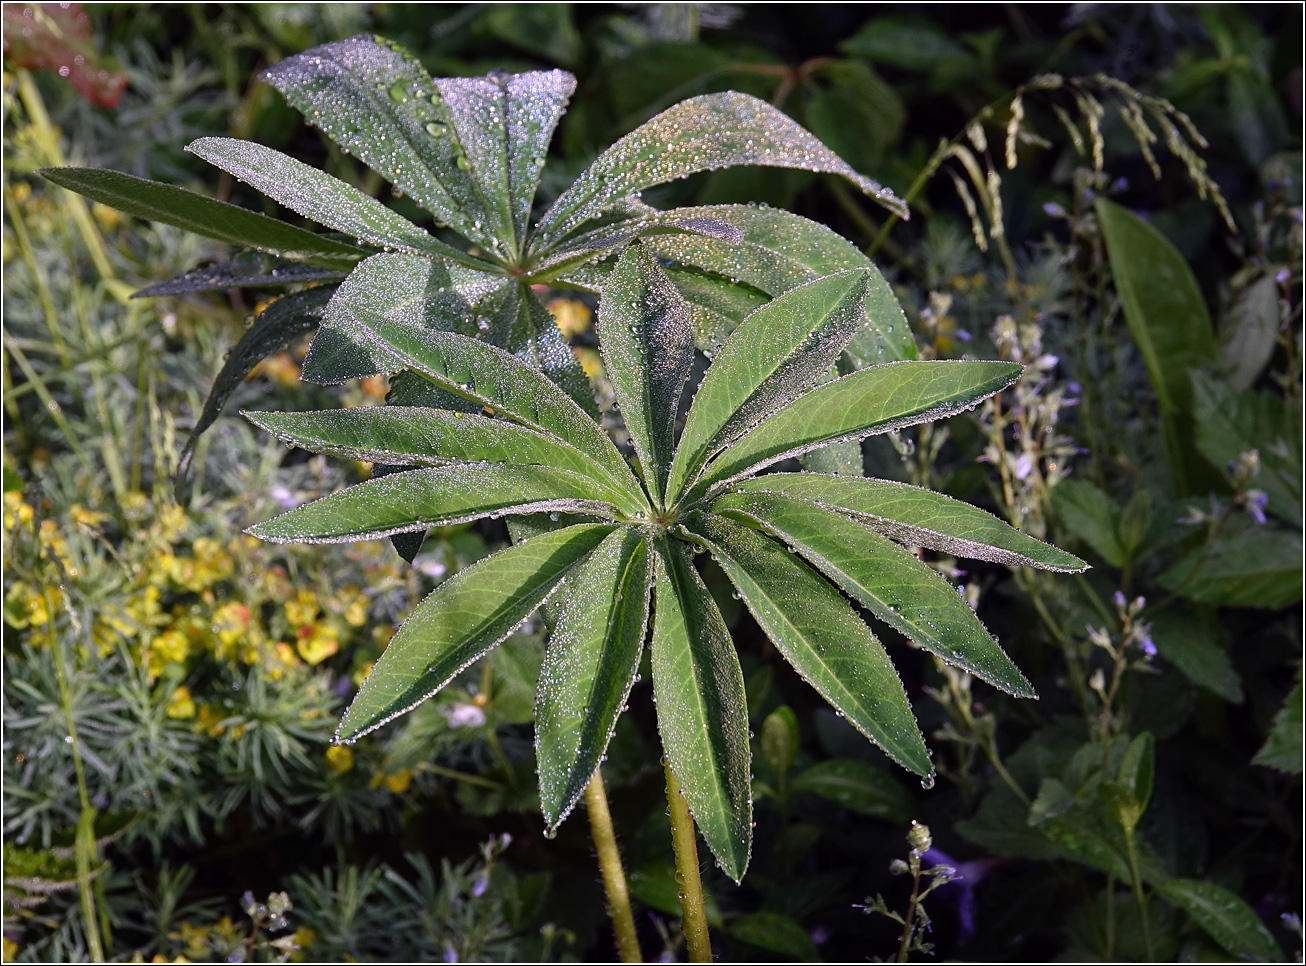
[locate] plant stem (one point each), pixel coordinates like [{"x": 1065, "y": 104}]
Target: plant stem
[
  {"x": 614, "y": 877},
  {"x": 1139, "y": 898},
  {"x": 911, "y": 912},
  {"x": 693, "y": 912}
]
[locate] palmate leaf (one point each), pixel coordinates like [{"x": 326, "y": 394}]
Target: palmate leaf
[
  {"x": 897, "y": 588},
  {"x": 589, "y": 667},
  {"x": 919, "y": 518},
  {"x": 777, "y": 352},
  {"x": 322, "y": 198},
  {"x": 818, "y": 632},
  {"x": 205, "y": 216},
  {"x": 700, "y": 134},
  {"x": 463, "y": 618},
  {"x": 438, "y": 496},
  {"x": 647, "y": 342},
  {"x": 873, "y": 400},
  {"x": 702, "y": 709}
]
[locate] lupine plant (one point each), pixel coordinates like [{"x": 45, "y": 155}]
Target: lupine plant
[{"x": 490, "y": 416}]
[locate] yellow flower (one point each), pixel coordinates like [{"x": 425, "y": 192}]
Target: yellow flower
[
  {"x": 209, "y": 720},
  {"x": 361, "y": 672},
  {"x": 375, "y": 387},
  {"x": 570, "y": 315},
  {"x": 10, "y": 948},
  {"x": 16, "y": 511},
  {"x": 172, "y": 520},
  {"x": 303, "y": 937},
  {"x": 170, "y": 646},
  {"x": 318, "y": 644},
  {"x": 181, "y": 706},
  {"x": 280, "y": 368},
  {"x": 590, "y": 361},
  {"x": 196, "y": 938},
  {"x": 397, "y": 783},
  {"x": 85, "y": 517},
  {"x": 303, "y": 609},
  {"x": 230, "y": 622},
  {"x": 339, "y": 759}
]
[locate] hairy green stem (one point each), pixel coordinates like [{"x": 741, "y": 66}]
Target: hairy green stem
[
  {"x": 692, "y": 910},
  {"x": 614, "y": 876},
  {"x": 1140, "y": 899}
]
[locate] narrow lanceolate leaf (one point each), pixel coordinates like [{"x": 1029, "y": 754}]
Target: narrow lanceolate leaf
[
  {"x": 1224, "y": 917},
  {"x": 702, "y": 709},
  {"x": 534, "y": 337},
  {"x": 647, "y": 341},
  {"x": 779, "y": 250},
  {"x": 461, "y": 619},
  {"x": 599, "y": 242},
  {"x": 490, "y": 376},
  {"x": 819, "y": 633},
  {"x": 376, "y": 102},
  {"x": 589, "y": 667},
  {"x": 322, "y": 198},
  {"x": 780, "y": 350},
  {"x": 874, "y": 400},
  {"x": 418, "y": 436},
  {"x": 412, "y": 289},
  {"x": 504, "y": 123},
  {"x": 251, "y": 270},
  {"x": 284, "y": 320},
  {"x": 919, "y": 518},
  {"x": 204, "y": 216},
  {"x": 424, "y": 498},
  {"x": 700, "y": 134},
  {"x": 897, "y": 588}
]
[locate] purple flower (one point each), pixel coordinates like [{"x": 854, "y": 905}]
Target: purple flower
[
  {"x": 1282, "y": 276},
  {"x": 1053, "y": 210},
  {"x": 481, "y": 883},
  {"x": 1119, "y": 600},
  {"x": 1255, "y": 502},
  {"x": 1147, "y": 646},
  {"x": 1120, "y": 184},
  {"x": 961, "y": 887},
  {"x": 1024, "y": 466}
]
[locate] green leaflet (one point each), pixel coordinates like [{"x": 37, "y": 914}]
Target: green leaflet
[
  {"x": 247, "y": 270},
  {"x": 492, "y": 377},
  {"x": 873, "y": 400},
  {"x": 920, "y": 518},
  {"x": 424, "y": 498},
  {"x": 1260, "y": 567},
  {"x": 504, "y": 123},
  {"x": 205, "y": 216},
  {"x": 777, "y": 352},
  {"x": 277, "y": 325},
  {"x": 326, "y": 200},
  {"x": 534, "y": 337},
  {"x": 598, "y": 242},
  {"x": 701, "y": 707},
  {"x": 1283, "y": 745},
  {"x": 699, "y": 134},
  {"x": 857, "y": 785},
  {"x": 589, "y": 667},
  {"x": 460, "y": 620},
  {"x": 377, "y": 103},
  {"x": 896, "y": 587},
  {"x": 1225, "y": 918},
  {"x": 818, "y": 632},
  {"x": 647, "y": 342},
  {"x": 420, "y": 436},
  {"x": 412, "y": 289}
]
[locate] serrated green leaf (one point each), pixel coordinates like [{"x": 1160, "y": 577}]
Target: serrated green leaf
[
  {"x": 859, "y": 786},
  {"x": 376, "y": 102},
  {"x": 504, "y": 123},
  {"x": 870, "y": 401},
  {"x": 589, "y": 667},
  {"x": 490, "y": 376},
  {"x": 1090, "y": 514},
  {"x": 818, "y": 632},
  {"x": 275, "y": 326},
  {"x": 460, "y": 620},
  {"x": 326, "y": 200},
  {"x": 702, "y": 709},
  {"x": 919, "y": 518},
  {"x": 419, "y": 436},
  {"x": 1225, "y": 918},
  {"x": 700, "y": 134},
  {"x": 900, "y": 590},
  {"x": 776, "y": 353},
  {"x": 205, "y": 216},
  {"x": 647, "y": 341},
  {"x": 1258, "y": 567},
  {"x": 1283, "y": 745},
  {"x": 411, "y": 289},
  {"x": 1138, "y": 769},
  {"x": 1231, "y": 422},
  {"x": 436, "y": 496},
  {"x": 1197, "y": 649}
]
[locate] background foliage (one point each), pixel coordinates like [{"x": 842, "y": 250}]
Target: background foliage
[{"x": 1157, "y": 433}]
